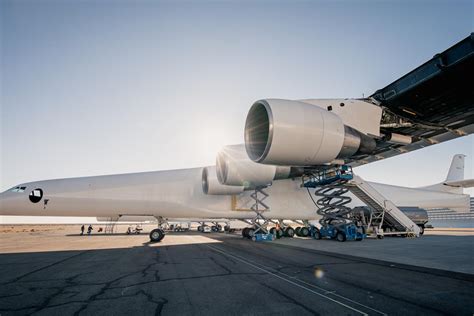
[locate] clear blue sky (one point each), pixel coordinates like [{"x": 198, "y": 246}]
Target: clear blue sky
[{"x": 107, "y": 87}]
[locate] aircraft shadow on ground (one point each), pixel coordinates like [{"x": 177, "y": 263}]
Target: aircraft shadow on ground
[{"x": 150, "y": 277}]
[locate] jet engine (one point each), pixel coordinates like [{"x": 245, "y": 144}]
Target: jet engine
[
  {"x": 295, "y": 133},
  {"x": 210, "y": 184},
  {"x": 235, "y": 168}
]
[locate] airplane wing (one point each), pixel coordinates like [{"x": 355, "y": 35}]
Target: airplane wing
[{"x": 433, "y": 103}]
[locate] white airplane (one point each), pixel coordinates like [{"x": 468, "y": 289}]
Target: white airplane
[{"x": 286, "y": 143}]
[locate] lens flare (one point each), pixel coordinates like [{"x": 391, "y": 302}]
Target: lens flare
[{"x": 319, "y": 273}]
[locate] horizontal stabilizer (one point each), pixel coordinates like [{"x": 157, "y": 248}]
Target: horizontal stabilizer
[{"x": 461, "y": 183}]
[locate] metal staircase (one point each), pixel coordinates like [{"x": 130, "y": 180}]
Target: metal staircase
[{"x": 383, "y": 211}]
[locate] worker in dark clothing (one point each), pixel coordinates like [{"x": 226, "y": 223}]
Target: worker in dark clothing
[
  {"x": 89, "y": 230},
  {"x": 82, "y": 230}
]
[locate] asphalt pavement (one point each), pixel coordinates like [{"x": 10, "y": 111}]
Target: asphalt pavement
[{"x": 196, "y": 274}]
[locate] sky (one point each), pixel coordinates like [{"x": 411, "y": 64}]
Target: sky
[{"x": 106, "y": 87}]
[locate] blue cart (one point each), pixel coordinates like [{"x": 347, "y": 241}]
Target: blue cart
[
  {"x": 263, "y": 237},
  {"x": 340, "y": 232}
]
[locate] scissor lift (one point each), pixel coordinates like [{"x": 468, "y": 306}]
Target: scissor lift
[
  {"x": 336, "y": 222},
  {"x": 332, "y": 186}
]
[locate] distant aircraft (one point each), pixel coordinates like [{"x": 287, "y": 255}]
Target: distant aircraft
[{"x": 291, "y": 149}]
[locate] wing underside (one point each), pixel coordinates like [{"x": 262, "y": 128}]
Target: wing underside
[{"x": 433, "y": 103}]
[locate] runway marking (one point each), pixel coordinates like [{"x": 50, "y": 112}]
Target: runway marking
[{"x": 293, "y": 283}]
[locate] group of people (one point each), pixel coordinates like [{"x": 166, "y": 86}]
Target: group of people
[
  {"x": 89, "y": 230},
  {"x": 137, "y": 230}
]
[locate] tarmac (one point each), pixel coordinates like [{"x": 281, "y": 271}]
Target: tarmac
[{"x": 58, "y": 272}]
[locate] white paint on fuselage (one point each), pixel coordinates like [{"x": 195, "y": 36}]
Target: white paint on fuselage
[{"x": 178, "y": 194}]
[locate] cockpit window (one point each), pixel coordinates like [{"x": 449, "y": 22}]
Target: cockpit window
[
  {"x": 18, "y": 189},
  {"x": 36, "y": 195}
]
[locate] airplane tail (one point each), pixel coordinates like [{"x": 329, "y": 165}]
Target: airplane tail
[
  {"x": 456, "y": 171},
  {"x": 454, "y": 182}
]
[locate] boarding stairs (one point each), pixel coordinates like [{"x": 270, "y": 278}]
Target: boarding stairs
[{"x": 383, "y": 210}]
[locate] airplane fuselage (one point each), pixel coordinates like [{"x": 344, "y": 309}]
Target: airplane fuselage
[{"x": 179, "y": 194}]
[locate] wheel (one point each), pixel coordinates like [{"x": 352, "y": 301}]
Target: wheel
[
  {"x": 340, "y": 236},
  {"x": 297, "y": 231},
  {"x": 214, "y": 229},
  {"x": 199, "y": 228},
  {"x": 272, "y": 230},
  {"x": 279, "y": 233},
  {"x": 289, "y": 232},
  {"x": 422, "y": 229},
  {"x": 250, "y": 232},
  {"x": 254, "y": 238},
  {"x": 226, "y": 228},
  {"x": 156, "y": 235},
  {"x": 304, "y": 232},
  {"x": 317, "y": 235},
  {"x": 380, "y": 236},
  {"x": 245, "y": 232}
]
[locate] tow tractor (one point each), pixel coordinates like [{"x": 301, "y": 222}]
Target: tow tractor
[{"x": 336, "y": 222}]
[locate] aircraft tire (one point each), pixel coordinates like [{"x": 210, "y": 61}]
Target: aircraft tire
[
  {"x": 245, "y": 232},
  {"x": 156, "y": 235},
  {"x": 289, "y": 232},
  {"x": 304, "y": 232},
  {"x": 272, "y": 230},
  {"x": 297, "y": 231},
  {"x": 250, "y": 232},
  {"x": 279, "y": 233}
]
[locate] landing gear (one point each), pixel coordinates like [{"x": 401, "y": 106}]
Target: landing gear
[
  {"x": 302, "y": 231},
  {"x": 289, "y": 232},
  {"x": 156, "y": 235},
  {"x": 297, "y": 231},
  {"x": 248, "y": 232},
  {"x": 278, "y": 233}
]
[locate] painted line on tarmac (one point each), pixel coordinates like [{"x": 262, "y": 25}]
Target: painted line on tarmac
[
  {"x": 325, "y": 291},
  {"x": 335, "y": 294},
  {"x": 285, "y": 279}
]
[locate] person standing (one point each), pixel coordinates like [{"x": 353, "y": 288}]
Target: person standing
[{"x": 82, "y": 230}]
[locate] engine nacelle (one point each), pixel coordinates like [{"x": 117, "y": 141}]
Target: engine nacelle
[
  {"x": 210, "y": 184},
  {"x": 234, "y": 167},
  {"x": 295, "y": 133}
]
